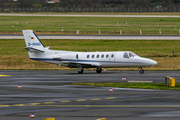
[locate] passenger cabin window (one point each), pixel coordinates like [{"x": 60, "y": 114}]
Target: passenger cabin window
[
  {"x": 102, "y": 56},
  {"x": 87, "y": 56},
  {"x": 97, "y": 56},
  {"x": 76, "y": 56},
  {"x": 92, "y": 56},
  {"x": 126, "y": 55},
  {"x": 112, "y": 55},
  {"x": 107, "y": 56}
]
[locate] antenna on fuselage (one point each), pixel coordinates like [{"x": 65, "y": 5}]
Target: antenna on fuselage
[{"x": 86, "y": 50}]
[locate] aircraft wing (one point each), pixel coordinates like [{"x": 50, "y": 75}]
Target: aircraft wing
[{"x": 31, "y": 49}]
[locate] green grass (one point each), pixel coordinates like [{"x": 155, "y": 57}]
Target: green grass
[
  {"x": 13, "y": 55},
  {"x": 146, "y": 48},
  {"x": 88, "y": 25},
  {"x": 161, "y": 86}
]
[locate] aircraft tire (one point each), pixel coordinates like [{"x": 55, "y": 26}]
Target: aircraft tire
[
  {"x": 98, "y": 70},
  {"x": 141, "y": 71},
  {"x": 80, "y": 72}
]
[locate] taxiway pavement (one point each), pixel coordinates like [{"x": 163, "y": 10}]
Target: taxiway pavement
[{"x": 48, "y": 94}]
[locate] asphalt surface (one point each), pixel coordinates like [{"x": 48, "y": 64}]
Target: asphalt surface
[
  {"x": 48, "y": 94},
  {"x": 86, "y": 15},
  {"x": 99, "y": 37}
]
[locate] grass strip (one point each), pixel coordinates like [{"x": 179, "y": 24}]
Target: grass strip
[
  {"x": 159, "y": 86},
  {"x": 89, "y": 25}
]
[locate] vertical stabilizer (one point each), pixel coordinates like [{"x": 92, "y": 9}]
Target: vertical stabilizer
[{"x": 32, "y": 40}]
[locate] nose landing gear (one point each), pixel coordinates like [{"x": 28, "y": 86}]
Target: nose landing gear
[{"x": 141, "y": 71}]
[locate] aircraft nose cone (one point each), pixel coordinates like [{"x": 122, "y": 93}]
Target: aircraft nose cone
[{"x": 152, "y": 62}]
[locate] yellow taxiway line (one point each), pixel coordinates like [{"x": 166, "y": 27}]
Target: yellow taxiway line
[
  {"x": 110, "y": 98},
  {"x": 48, "y": 102},
  {"x": 34, "y": 103},
  {"x": 81, "y": 100},
  {"x": 96, "y": 99},
  {"x": 66, "y": 101},
  {"x": 100, "y": 106},
  {"x": 108, "y": 106},
  {"x": 4, "y": 105},
  {"x": 5, "y": 75},
  {"x": 18, "y": 105}
]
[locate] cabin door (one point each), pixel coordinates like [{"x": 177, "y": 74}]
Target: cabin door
[
  {"x": 112, "y": 57},
  {"x": 77, "y": 57}
]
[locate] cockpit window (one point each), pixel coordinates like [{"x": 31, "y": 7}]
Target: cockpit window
[
  {"x": 131, "y": 54},
  {"x": 126, "y": 55}
]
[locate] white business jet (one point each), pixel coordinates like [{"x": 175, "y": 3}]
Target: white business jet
[{"x": 37, "y": 51}]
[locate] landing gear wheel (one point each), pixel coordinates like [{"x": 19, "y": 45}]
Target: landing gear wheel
[
  {"x": 98, "y": 70},
  {"x": 80, "y": 72},
  {"x": 141, "y": 71}
]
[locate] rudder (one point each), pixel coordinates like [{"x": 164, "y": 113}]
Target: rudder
[{"x": 32, "y": 40}]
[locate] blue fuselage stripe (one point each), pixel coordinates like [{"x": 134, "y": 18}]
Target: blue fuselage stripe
[{"x": 45, "y": 59}]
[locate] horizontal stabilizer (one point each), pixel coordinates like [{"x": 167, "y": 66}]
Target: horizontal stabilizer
[{"x": 30, "y": 49}]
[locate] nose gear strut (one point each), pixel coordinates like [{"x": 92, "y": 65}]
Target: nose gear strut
[{"x": 141, "y": 71}]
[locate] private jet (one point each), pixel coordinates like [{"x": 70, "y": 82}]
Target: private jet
[{"x": 80, "y": 60}]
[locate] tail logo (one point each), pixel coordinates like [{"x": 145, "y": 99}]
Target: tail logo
[
  {"x": 32, "y": 38},
  {"x": 34, "y": 44}
]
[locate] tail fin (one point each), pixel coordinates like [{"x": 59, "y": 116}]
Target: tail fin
[{"x": 32, "y": 41}]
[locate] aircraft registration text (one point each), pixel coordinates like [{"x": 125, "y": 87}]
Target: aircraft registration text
[{"x": 34, "y": 44}]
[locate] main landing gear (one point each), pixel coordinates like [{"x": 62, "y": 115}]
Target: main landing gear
[
  {"x": 98, "y": 70},
  {"x": 141, "y": 71},
  {"x": 81, "y": 71}
]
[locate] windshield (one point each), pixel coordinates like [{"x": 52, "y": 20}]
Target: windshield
[{"x": 131, "y": 54}]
